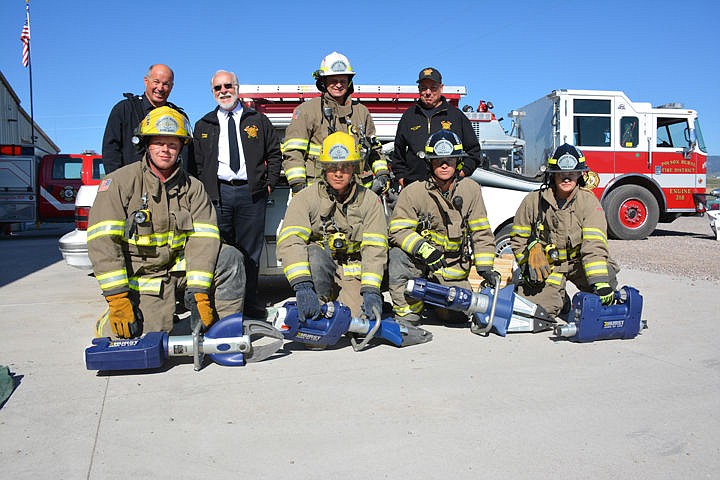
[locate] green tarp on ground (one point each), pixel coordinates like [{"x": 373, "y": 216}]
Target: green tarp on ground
[{"x": 7, "y": 384}]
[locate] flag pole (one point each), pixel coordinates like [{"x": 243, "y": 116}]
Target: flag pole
[{"x": 32, "y": 116}]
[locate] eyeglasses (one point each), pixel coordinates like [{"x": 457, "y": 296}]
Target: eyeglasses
[
  {"x": 450, "y": 162},
  {"x": 340, "y": 81},
  {"x": 227, "y": 86},
  {"x": 340, "y": 167}
]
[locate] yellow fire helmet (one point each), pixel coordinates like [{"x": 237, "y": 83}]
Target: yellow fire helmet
[
  {"x": 339, "y": 147},
  {"x": 165, "y": 121}
]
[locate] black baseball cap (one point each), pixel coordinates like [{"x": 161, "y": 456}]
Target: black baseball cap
[{"x": 429, "y": 73}]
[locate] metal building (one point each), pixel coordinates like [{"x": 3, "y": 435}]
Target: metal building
[{"x": 15, "y": 123}]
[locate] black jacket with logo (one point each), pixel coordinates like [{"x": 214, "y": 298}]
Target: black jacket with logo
[
  {"x": 260, "y": 145},
  {"x": 416, "y": 126}
]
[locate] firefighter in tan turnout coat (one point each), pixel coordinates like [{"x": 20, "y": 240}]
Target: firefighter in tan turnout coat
[
  {"x": 439, "y": 230},
  {"x": 559, "y": 234},
  {"x": 152, "y": 230},
  {"x": 333, "y": 244},
  {"x": 333, "y": 111}
]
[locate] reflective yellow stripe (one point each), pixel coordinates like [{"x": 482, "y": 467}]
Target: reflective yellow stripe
[
  {"x": 479, "y": 224},
  {"x": 593, "y": 269},
  {"x": 110, "y": 280},
  {"x": 555, "y": 279},
  {"x": 594, "y": 234},
  {"x": 520, "y": 231},
  {"x": 415, "y": 307},
  {"x": 351, "y": 269},
  {"x": 297, "y": 270},
  {"x": 452, "y": 273},
  {"x": 411, "y": 242},
  {"x": 371, "y": 279},
  {"x": 294, "y": 230},
  {"x": 375, "y": 239},
  {"x": 180, "y": 263},
  {"x": 300, "y": 144},
  {"x": 295, "y": 173},
  {"x": 108, "y": 227},
  {"x": 315, "y": 149},
  {"x": 197, "y": 278},
  {"x": 146, "y": 285},
  {"x": 484, "y": 259},
  {"x": 379, "y": 166},
  {"x": 402, "y": 223},
  {"x": 443, "y": 241},
  {"x": 205, "y": 230}
]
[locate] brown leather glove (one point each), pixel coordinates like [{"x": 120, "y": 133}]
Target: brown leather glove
[
  {"x": 538, "y": 267},
  {"x": 122, "y": 316},
  {"x": 201, "y": 309}
]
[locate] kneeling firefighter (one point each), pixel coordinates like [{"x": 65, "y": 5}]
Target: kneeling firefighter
[
  {"x": 559, "y": 234},
  {"x": 152, "y": 231},
  {"x": 333, "y": 243},
  {"x": 439, "y": 230}
]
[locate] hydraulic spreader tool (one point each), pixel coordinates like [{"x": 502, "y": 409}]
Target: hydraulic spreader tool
[
  {"x": 502, "y": 312},
  {"x": 588, "y": 321}
]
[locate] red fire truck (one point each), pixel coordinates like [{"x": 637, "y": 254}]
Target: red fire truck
[
  {"x": 36, "y": 188},
  {"x": 648, "y": 164}
]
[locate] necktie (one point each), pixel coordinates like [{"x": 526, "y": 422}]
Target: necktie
[{"x": 233, "y": 140}]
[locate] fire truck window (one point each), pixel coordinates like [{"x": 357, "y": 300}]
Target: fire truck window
[
  {"x": 592, "y": 131},
  {"x": 66, "y": 168},
  {"x": 671, "y": 132},
  {"x": 98, "y": 172},
  {"x": 591, "y": 106},
  {"x": 629, "y": 132}
]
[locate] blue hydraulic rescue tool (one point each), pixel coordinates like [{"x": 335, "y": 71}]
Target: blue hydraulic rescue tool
[
  {"x": 336, "y": 320},
  {"x": 508, "y": 312},
  {"x": 589, "y": 320},
  {"x": 231, "y": 341},
  {"x": 501, "y": 313}
]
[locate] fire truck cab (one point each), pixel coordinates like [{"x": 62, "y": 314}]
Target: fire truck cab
[{"x": 648, "y": 163}]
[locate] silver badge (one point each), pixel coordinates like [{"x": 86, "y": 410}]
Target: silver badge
[
  {"x": 567, "y": 162},
  {"x": 338, "y": 153},
  {"x": 443, "y": 148},
  {"x": 166, "y": 124}
]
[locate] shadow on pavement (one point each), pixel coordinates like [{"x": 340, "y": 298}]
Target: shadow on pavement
[{"x": 26, "y": 252}]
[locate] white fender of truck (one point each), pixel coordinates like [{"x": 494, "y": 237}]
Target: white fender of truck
[{"x": 628, "y": 179}]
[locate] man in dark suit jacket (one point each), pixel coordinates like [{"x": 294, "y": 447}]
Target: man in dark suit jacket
[{"x": 237, "y": 157}]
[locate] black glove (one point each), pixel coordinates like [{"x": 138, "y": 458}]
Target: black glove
[
  {"x": 296, "y": 187},
  {"x": 372, "y": 300},
  {"x": 201, "y": 310},
  {"x": 308, "y": 303},
  {"x": 380, "y": 184},
  {"x": 605, "y": 292},
  {"x": 491, "y": 277},
  {"x": 433, "y": 258}
]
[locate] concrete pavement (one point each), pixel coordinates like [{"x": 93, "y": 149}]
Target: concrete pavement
[{"x": 462, "y": 406}]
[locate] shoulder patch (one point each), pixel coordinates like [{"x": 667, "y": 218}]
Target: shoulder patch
[{"x": 104, "y": 185}]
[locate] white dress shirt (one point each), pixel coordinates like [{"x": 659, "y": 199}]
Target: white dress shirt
[{"x": 224, "y": 171}]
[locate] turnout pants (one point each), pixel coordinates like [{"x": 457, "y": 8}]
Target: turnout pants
[
  {"x": 228, "y": 295},
  {"x": 334, "y": 280},
  {"x": 402, "y": 268}
]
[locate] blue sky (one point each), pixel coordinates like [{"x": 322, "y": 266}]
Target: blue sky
[{"x": 85, "y": 54}]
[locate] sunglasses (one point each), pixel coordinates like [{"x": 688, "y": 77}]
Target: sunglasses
[
  {"x": 227, "y": 86},
  {"x": 450, "y": 162}
]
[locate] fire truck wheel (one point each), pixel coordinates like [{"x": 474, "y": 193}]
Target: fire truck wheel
[{"x": 632, "y": 212}]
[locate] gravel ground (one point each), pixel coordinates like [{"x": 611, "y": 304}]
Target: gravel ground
[{"x": 686, "y": 247}]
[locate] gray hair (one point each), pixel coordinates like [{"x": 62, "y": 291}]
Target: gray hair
[{"x": 232, "y": 74}]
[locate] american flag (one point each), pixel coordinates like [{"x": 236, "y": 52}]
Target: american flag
[{"x": 25, "y": 39}]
